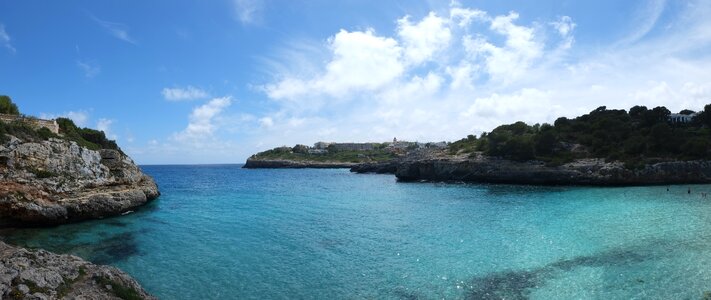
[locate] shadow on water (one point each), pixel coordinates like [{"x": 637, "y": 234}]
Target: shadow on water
[
  {"x": 113, "y": 249},
  {"x": 519, "y": 284},
  {"x": 104, "y": 247}
]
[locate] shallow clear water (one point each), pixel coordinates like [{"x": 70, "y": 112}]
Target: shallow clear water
[{"x": 222, "y": 232}]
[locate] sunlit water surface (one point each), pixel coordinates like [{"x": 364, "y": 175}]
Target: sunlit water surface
[{"x": 222, "y": 232}]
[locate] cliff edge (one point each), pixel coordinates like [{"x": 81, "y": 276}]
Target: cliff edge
[
  {"x": 56, "y": 181},
  {"x": 39, "y": 274}
]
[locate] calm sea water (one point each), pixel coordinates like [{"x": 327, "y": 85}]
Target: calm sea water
[{"x": 222, "y": 232}]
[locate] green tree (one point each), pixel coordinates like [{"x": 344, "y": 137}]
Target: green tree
[
  {"x": 546, "y": 140},
  {"x": 300, "y": 149},
  {"x": 637, "y": 112},
  {"x": 7, "y": 107}
]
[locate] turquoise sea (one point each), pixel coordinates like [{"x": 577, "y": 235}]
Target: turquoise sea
[{"x": 222, "y": 232}]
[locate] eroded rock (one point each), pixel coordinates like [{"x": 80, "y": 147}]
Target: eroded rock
[
  {"x": 57, "y": 181},
  {"x": 40, "y": 274}
]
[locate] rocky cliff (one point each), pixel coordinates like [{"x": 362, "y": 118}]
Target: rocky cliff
[
  {"x": 581, "y": 172},
  {"x": 40, "y": 274},
  {"x": 56, "y": 181}
]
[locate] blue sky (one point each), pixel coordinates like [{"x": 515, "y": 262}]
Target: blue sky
[{"x": 215, "y": 81}]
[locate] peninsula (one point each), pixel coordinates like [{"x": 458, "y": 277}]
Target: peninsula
[
  {"x": 604, "y": 147},
  {"x": 53, "y": 172}
]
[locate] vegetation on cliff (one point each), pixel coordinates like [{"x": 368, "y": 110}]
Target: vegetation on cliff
[
  {"x": 636, "y": 137},
  {"x": 85, "y": 137},
  {"x": 301, "y": 153}
]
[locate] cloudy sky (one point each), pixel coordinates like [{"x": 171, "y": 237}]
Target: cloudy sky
[{"x": 215, "y": 81}]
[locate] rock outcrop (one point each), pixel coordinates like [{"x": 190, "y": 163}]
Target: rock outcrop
[
  {"x": 253, "y": 163},
  {"x": 39, "y": 274},
  {"x": 582, "y": 172},
  {"x": 56, "y": 181},
  {"x": 385, "y": 167}
]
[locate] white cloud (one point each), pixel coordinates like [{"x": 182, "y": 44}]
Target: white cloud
[
  {"x": 509, "y": 61},
  {"x": 644, "y": 20},
  {"x": 105, "y": 126},
  {"x": 183, "y": 94},
  {"x": 360, "y": 60},
  {"x": 564, "y": 25},
  {"x": 202, "y": 120},
  {"x": 266, "y": 122},
  {"x": 524, "y": 105},
  {"x": 80, "y": 117},
  {"x": 118, "y": 30},
  {"x": 247, "y": 11},
  {"x": 464, "y": 16},
  {"x": 5, "y": 39},
  {"x": 423, "y": 39},
  {"x": 90, "y": 69}
]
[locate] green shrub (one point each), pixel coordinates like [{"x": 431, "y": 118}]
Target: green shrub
[{"x": 85, "y": 137}]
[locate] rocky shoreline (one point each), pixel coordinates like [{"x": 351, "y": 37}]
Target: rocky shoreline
[
  {"x": 294, "y": 164},
  {"x": 594, "y": 172},
  {"x": 56, "y": 182},
  {"x": 484, "y": 169},
  {"x": 39, "y": 274},
  {"x": 53, "y": 182}
]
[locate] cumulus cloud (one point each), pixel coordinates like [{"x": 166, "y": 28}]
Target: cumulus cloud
[
  {"x": 184, "y": 94},
  {"x": 361, "y": 60},
  {"x": 202, "y": 120},
  {"x": 5, "y": 39},
  {"x": 422, "y": 40},
  {"x": 372, "y": 86}
]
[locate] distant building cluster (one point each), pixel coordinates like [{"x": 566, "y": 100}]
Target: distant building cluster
[{"x": 31, "y": 121}]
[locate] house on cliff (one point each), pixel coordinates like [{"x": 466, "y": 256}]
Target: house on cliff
[{"x": 682, "y": 118}]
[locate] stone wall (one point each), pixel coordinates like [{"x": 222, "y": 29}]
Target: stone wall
[{"x": 34, "y": 122}]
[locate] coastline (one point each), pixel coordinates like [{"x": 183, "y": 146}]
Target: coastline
[{"x": 483, "y": 169}]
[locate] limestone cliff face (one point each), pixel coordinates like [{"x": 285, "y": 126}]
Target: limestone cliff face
[
  {"x": 581, "y": 172},
  {"x": 26, "y": 274},
  {"x": 56, "y": 181}
]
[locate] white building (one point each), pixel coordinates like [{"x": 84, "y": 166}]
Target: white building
[{"x": 681, "y": 118}]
